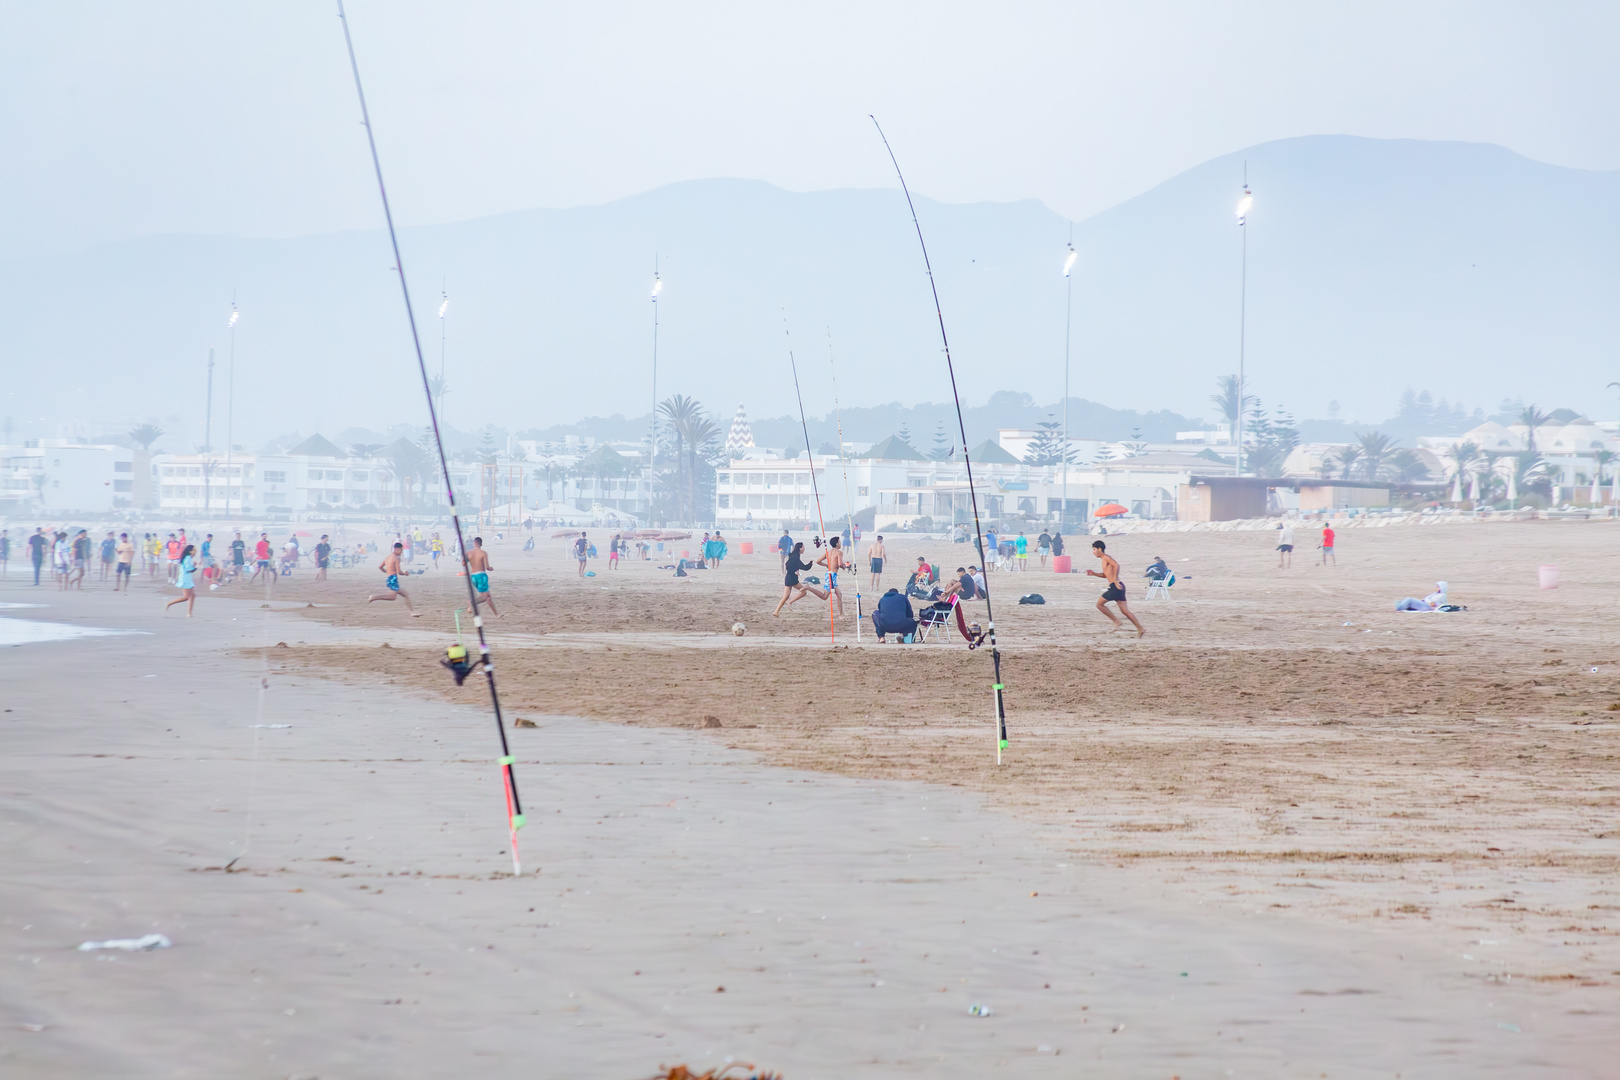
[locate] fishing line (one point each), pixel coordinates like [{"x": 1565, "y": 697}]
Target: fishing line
[
  {"x": 849, "y": 507},
  {"x": 973, "y": 494},
  {"x": 514, "y": 807},
  {"x": 805, "y": 427}
]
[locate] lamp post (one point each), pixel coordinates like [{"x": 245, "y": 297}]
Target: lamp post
[
  {"x": 230, "y": 406},
  {"x": 444, "y": 306},
  {"x": 1243, "y": 304},
  {"x": 208, "y": 439},
  {"x": 652, "y": 451},
  {"x": 1068, "y": 323}
]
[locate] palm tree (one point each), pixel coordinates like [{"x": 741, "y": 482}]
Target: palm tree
[
  {"x": 145, "y": 435},
  {"x": 1532, "y": 418},
  {"x": 1464, "y": 456},
  {"x": 1376, "y": 450},
  {"x": 681, "y": 411},
  {"x": 1409, "y": 466},
  {"x": 1600, "y": 461},
  {"x": 1225, "y": 399},
  {"x": 1344, "y": 459}
]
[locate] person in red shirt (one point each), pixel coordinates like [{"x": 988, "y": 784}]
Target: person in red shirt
[
  {"x": 1327, "y": 546},
  {"x": 261, "y": 559},
  {"x": 172, "y": 550}
]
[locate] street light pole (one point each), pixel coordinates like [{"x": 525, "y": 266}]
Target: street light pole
[
  {"x": 652, "y": 451},
  {"x": 208, "y": 438},
  {"x": 1243, "y": 307},
  {"x": 1068, "y": 324},
  {"x": 230, "y": 407}
]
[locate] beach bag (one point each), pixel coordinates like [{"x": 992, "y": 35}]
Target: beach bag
[{"x": 1032, "y": 598}]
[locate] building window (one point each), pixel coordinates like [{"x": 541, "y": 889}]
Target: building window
[
  {"x": 916, "y": 481},
  {"x": 123, "y": 466},
  {"x": 770, "y": 479},
  {"x": 275, "y": 477},
  {"x": 361, "y": 475},
  {"x": 861, "y": 492},
  {"x": 725, "y": 502},
  {"x": 724, "y": 478}
]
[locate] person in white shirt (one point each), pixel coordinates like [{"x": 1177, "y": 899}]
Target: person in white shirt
[{"x": 1285, "y": 546}]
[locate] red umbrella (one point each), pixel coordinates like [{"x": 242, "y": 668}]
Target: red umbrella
[{"x": 1111, "y": 510}]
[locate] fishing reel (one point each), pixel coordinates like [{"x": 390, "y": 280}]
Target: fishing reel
[
  {"x": 816, "y": 540},
  {"x": 459, "y": 663}
]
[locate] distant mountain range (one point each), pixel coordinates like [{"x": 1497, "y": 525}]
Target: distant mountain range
[{"x": 1373, "y": 266}]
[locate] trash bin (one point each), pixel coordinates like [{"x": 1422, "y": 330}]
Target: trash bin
[
  {"x": 1062, "y": 564},
  {"x": 1549, "y": 577},
  {"x": 747, "y": 547}
]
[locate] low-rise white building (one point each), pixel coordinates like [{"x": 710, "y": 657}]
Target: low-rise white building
[{"x": 51, "y": 475}]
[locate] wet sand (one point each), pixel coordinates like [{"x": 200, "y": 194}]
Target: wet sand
[{"x": 1371, "y": 853}]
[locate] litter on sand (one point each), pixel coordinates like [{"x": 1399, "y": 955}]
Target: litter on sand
[
  {"x": 270, "y": 725},
  {"x": 150, "y": 941},
  {"x": 980, "y": 1010}
]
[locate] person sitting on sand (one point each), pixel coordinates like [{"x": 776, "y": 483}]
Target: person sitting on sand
[{"x": 1432, "y": 602}]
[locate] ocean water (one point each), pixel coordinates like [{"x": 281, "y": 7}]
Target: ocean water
[{"x": 15, "y": 632}]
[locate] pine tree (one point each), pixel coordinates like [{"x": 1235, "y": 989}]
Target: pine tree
[
  {"x": 944, "y": 447},
  {"x": 1047, "y": 449},
  {"x": 905, "y": 436}
]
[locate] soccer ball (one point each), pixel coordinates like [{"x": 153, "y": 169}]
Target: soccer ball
[{"x": 738, "y": 629}]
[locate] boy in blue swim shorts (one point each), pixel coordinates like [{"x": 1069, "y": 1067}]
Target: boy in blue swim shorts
[
  {"x": 390, "y": 566},
  {"x": 478, "y": 566}
]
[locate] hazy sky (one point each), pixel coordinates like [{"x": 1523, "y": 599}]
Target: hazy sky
[{"x": 123, "y": 119}]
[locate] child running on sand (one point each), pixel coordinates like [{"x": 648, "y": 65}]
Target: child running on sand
[
  {"x": 478, "y": 566},
  {"x": 185, "y": 580},
  {"x": 1115, "y": 593},
  {"x": 391, "y": 566},
  {"x": 792, "y": 590},
  {"x": 833, "y": 560}
]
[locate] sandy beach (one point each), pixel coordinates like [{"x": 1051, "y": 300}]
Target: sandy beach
[{"x": 1376, "y": 843}]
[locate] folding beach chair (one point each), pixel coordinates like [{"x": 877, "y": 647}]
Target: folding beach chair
[{"x": 931, "y": 622}]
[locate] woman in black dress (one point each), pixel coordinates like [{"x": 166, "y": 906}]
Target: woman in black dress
[{"x": 792, "y": 590}]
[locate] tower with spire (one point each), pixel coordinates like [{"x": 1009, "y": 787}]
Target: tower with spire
[{"x": 742, "y": 436}]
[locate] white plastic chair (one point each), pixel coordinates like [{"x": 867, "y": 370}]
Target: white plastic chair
[{"x": 1161, "y": 587}]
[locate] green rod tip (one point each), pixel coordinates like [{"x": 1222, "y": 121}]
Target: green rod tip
[
  {"x": 1004, "y": 744},
  {"x": 518, "y": 821},
  {"x": 507, "y": 760}
]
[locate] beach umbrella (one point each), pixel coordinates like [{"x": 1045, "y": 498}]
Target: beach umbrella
[
  {"x": 1111, "y": 510},
  {"x": 1456, "y": 487},
  {"x": 1473, "y": 488},
  {"x": 1513, "y": 487}
]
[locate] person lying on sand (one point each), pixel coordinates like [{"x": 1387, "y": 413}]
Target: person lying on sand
[{"x": 1433, "y": 602}]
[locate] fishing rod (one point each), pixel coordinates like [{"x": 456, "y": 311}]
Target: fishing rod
[
  {"x": 973, "y": 494},
  {"x": 805, "y": 427},
  {"x": 514, "y": 807},
  {"x": 844, "y": 465}
]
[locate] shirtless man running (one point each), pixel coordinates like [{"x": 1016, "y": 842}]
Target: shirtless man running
[
  {"x": 390, "y": 566},
  {"x": 478, "y": 566},
  {"x": 1115, "y": 592},
  {"x": 833, "y": 559}
]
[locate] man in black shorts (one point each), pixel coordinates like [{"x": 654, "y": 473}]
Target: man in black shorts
[
  {"x": 582, "y": 551},
  {"x": 1115, "y": 593}
]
